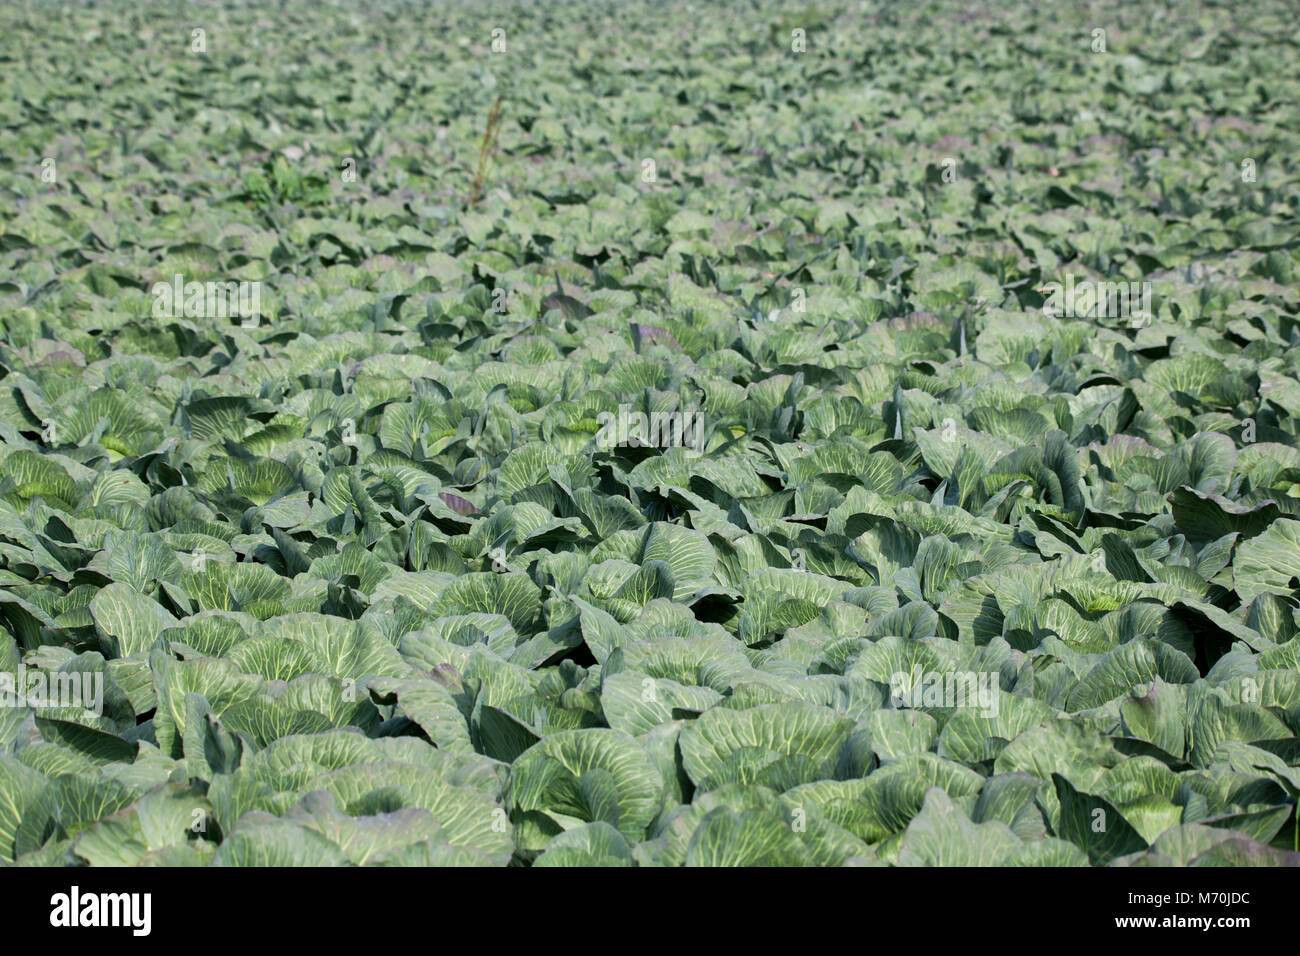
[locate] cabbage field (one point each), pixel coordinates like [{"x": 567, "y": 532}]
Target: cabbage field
[{"x": 650, "y": 434}]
